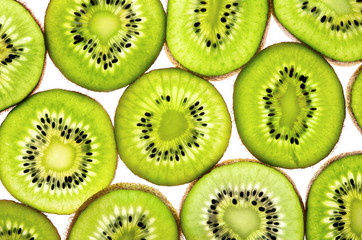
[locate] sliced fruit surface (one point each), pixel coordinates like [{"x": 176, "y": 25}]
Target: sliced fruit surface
[
  {"x": 354, "y": 98},
  {"x": 22, "y": 53},
  {"x": 215, "y": 37},
  {"x": 289, "y": 106},
  {"x": 18, "y": 221},
  {"x": 332, "y": 27},
  {"x": 334, "y": 206},
  {"x": 171, "y": 126},
  {"x": 57, "y": 149},
  {"x": 104, "y": 45},
  {"x": 126, "y": 212},
  {"x": 242, "y": 201}
]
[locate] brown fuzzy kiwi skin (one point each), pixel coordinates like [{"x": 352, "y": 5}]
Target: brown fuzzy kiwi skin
[
  {"x": 110, "y": 121},
  {"x": 7, "y": 110},
  {"x": 322, "y": 168},
  {"x": 89, "y": 90},
  {"x": 126, "y": 186},
  {"x": 54, "y": 228},
  {"x": 319, "y": 54},
  {"x": 231, "y": 161},
  {"x": 177, "y": 64},
  {"x": 349, "y": 96},
  {"x": 294, "y": 38},
  {"x": 230, "y": 130}
]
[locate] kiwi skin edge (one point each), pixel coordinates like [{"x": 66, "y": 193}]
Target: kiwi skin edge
[
  {"x": 7, "y": 110},
  {"x": 231, "y": 161},
  {"x": 323, "y": 167},
  {"x": 349, "y": 95},
  {"x": 177, "y": 64},
  {"x": 126, "y": 186},
  {"x": 56, "y": 230},
  {"x": 319, "y": 54},
  {"x": 294, "y": 38}
]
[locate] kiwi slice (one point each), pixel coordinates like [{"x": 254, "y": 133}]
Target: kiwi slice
[
  {"x": 18, "y": 221},
  {"x": 289, "y": 106},
  {"x": 242, "y": 200},
  {"x": 178, "y": 128},
  {"x": 104, "y": 45},
  {"x": 22, "y": 53},
  {"x": 214, "y": 38},
  {"x": 354, "y": 98},
  {"x": 57, "y": 149},
  {"x": 332, "y": 27},
  {"x": 128, "y": 211},
  {"x": 334, "y": 205}
]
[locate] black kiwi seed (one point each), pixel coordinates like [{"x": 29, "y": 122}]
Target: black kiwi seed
[
  {"x": 338, "y": 26},
  {"x": 269, "y": 99},
  {"x": 118, "y": 224},
  {"x": 10, "y": 53},
  {"x": 30, "y": 165},
  {"x": 338, "y": 220},
  {"x": 225, "y": 22},
  {"x": 225, "y": 198},
  {"x": 16, "y": 232},
  {"x": 121, "y": 41},
  {"x": 146, "y": 122}
]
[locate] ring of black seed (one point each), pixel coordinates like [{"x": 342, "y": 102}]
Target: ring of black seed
[
  {"x": 256, "y": 198},
  {"x": 31, "y": 165},
  {"x": 268, "y": 104}
]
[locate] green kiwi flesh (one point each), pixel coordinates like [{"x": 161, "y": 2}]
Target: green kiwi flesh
[
  {"x": 18, "y": 221},
  {"x": 354, "y": 98},
  {"x": 126, "y": 212},
  {"x": 22, "y": 53},
  {"x": 171, "y": 127},
  {"x": 242, "y": 200},
  {"x": 57, "y": 149},
  {"x": 214, "y": 38},
  {"x": 289, "y": 106},
  {"x": 334, "y": 205},
  {"x": 332, "y": 27},
  {"x": 104, "y": 45}
]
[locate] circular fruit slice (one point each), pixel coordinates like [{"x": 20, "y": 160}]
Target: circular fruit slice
[
  {"x": 354, "y": 98},
  {"x": 331, "y": 27},
  {"x": 22, "y": 53},
  {"x": 18, "y": 221},
  {"x": 57, "y": 149},
  {"x": 103, "y": 45},
  {"x": 242, "y": 200},
  {"x": 215, "y": 37},
  {"x": 289, "y": 106},
  {"x": 334, "y": 205},
  {"x": 126, "y": 211},
  {"x": 171, "y": 126}
]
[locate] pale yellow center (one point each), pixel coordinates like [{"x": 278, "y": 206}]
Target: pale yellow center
[
  {"x": 104, "y": 25},
  {"x": 59, "y": 156},
  {"x": 242, "y": 220}
]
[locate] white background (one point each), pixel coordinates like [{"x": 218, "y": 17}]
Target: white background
[{"x": 350, "y": 139}]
